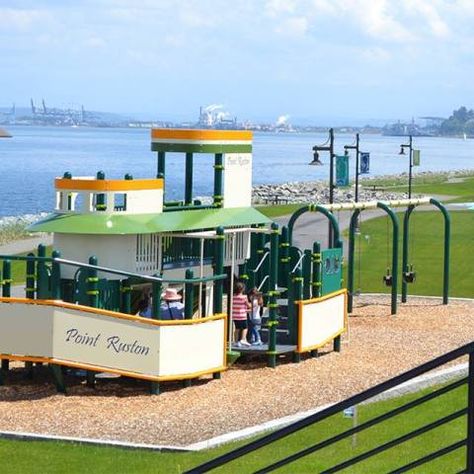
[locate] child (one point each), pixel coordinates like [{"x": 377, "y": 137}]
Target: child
[
  {"x": 240, "y": 306},
  {"x": 256, "y": 305}
]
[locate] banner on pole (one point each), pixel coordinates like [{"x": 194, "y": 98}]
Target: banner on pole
[
  {"x": 364, "y": 163},
  {"x": 342, "y": 170},
  {"x": 416, "y": 157}
]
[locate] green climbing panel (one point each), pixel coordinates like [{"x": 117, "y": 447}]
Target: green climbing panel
[{"x": 331, "y": 271}]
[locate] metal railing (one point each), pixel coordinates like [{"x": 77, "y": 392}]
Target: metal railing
[{"x": 339, "y": 407}]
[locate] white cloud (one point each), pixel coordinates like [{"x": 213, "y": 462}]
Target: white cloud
[
  {"x": 22, "y": 20},
  {"x": 293, "y": 27}
]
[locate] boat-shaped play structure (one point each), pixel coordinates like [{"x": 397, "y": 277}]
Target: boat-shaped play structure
[{"x": 114, "y": 239}]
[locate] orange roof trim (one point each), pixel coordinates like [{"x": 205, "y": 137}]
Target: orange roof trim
[
  {"x": 108, "y": 184},
  {"x": 187, "y": 134}
]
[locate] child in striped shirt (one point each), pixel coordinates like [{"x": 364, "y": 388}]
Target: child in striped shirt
[{"x": 240, "y": 307}]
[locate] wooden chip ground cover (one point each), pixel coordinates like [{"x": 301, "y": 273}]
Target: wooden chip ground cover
[{"x": 378, "y": 347}]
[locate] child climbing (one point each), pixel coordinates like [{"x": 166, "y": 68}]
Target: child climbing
[
  {"x": 256, "y": 307},
  {"x": 240, "y": 307}
]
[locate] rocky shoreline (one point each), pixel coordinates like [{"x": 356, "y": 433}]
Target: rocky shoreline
[{"x": 318, "y": 191}]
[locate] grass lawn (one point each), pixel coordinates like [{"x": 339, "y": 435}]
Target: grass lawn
[
  {"x": 437, "y": 185},
  {"x": 51, "y": 457},
  {"x": 279, "y": 210},
  {"x": 425, "y": 253}
]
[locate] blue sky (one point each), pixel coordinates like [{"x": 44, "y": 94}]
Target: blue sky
[{"x": 310, "y": 59}]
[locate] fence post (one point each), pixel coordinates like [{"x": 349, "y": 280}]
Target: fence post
[
  {"x": 316, "y": 270},
  {"x": 93, "y": 296},
  {"x": 55, "y": 277},
  {"x": 470, "y": 417},
  {"x": 42, "y": 278},
  {"x": 307, "y": 274},
  {"x": 218, "y": 270},
  {"x": 7, "y": 279},
  {"x": 189, "y": 295},
  {"x": 126, "y": 290},
  {"x": 298, "y": 281},
  {"x": 6, "y": 293},
  {"x": 272, "y": 304},
  {"x": 30, "y": 293}
]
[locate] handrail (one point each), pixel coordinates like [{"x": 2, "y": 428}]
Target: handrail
[
  {"x": 263, "y": 281},
  {"x": 342, "y": 405},
  {"x": 113, "y": 270},
  {"x": 299, "y": 261},
  {"x": 257, "y": 268}
]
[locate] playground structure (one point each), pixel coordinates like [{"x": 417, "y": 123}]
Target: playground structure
[{"x": 112, "y": 238}]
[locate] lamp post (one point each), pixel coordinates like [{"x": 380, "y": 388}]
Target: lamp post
[
  {"x": 328, "y": 145},
  {"x": 357, "y": 171},
  {"x": 408, "y": 145}
]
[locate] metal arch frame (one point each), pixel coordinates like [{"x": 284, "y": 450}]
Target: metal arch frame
[
  {"x": 447, "y": 244},
  {"x": 395, "y": 238},
  {"x": 337, "y": 242},
  {"x": 411, "y": 206}
]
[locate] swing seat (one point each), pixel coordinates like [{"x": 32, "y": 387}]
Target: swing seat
[
  {"x": 387, "y": 279},
  {"x": 409, "y": 277}
]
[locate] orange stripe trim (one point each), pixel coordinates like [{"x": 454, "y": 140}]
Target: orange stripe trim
[
  {"x": 183, "y": 134},
  {"x": 113, "y": 314},
  {"x": 108, "y": 184}
]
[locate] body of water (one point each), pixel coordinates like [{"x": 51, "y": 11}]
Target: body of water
[{"x": 36, "y": 155}]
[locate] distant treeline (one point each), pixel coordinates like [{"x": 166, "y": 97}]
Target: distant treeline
[{"x": 461, "y": 121}]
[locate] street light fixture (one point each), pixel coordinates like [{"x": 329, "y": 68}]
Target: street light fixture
[
  {"x": 328, "y": 145},
  {"x": 357, "y": 171},
  {"x": 408, "y": 145}
]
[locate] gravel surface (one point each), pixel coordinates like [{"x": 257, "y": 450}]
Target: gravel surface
[{"x": 378, "y": 346}]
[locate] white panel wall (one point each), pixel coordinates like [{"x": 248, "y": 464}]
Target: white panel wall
[
  {"x": 115, "y": 251},
  {"x": 320, "y": 321},
  {"x": 107, "y": 342},
  {"x": 145, "y": 202},
  {"x": 237, "y": 180}
]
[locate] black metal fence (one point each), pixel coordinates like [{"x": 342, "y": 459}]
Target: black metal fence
[{"x": 467, "y": 467}]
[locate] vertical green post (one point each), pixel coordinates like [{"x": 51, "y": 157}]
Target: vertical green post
[
  {"x": 157, "y": 288},
  {"x": 243, "y": 274},
  {"x": 93, "y": 297},
  {"x": 307, "y": 274},
  {"x": 7, "y": 279},
  {"x": 316, "y": 285},
  {"x": 100, "y": 198},
  {"x": 42, "y": 278},
  {"x": 272, "y": 305},
  {"x": 6, "y": 293},
  {"x": 188, "y": 189},
  {"x": 350, "y": 270},
  {"x": 405, "y": 246},
  {"x": 292, "y": 323},
  {"x": 30, "y": 276},
  {"x": 126, "y": 290},
  {"x": 188, "y": 306},
  {"x": 56, "y": 370},
  {"x": 58, "y": 377},
  {"x": 447, "y": 244},
  {"x": 218, "y": 270},
  {"x": 284, "y": 256},
  {"x": 395, "y": 231},
  {"x": 161, "y": 170},
  {"x": 260, "y": 254},
  {"x": 55, "y": 277},
  {"x": 218, "y": 180},
  {"x": 30, "y": 293},
  {"x": 298, "y": 289},
  {"x": 189, "y": 295}
]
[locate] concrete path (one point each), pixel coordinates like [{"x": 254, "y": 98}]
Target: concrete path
[{"x": 25, "y": 245}]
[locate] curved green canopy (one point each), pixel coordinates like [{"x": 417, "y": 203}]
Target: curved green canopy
[{"x": 176, "y": 221}]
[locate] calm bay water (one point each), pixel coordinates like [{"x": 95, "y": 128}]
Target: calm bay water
[{"x": 36, "y": 155}]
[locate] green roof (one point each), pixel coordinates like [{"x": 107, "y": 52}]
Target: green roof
[{"x": 176, "y": 221}]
